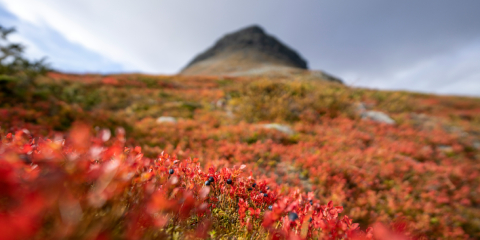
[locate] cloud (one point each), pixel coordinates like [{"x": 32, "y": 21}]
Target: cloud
[
  {"x": 41, "y": 41},
  {"x": 453, "y": 72},
  {"x": 428, "y": 46}
]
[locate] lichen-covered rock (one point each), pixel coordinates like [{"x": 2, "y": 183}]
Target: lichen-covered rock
[
  {"x": 166, "y": 119},
  {"x": 279, "y": 127},
  {"x": 377, "y": 117}
]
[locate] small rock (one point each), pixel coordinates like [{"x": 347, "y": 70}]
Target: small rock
[
  {"x": 229, "y": 113},
  {"x": 445, "y": 148},
  {"x": 360, "y": 108},
  {"x": 279, "y": 127},
  {"x": 220, "y": 103},
  {"x": 166, "y": 120},
  {"x": 425, "y": 122},
  {"x": 377, "y": 117},
  {"x": 456, "y": 130}
]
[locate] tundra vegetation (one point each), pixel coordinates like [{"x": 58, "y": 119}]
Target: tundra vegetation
[{"x": 85, "y": 157}]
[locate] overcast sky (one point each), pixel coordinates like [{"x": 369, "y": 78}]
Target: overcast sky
[{"x": 429, "y": 46}]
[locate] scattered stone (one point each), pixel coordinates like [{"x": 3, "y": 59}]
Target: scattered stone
[
  {"x": 220, "y": 103},
  {"x": 360, "y": 107},
  {"x": 445, "y": 148},
  {"x": 455, "y": 130},
  {"x": 424, "y": 121},
  {"x": 377, "y": 117},
  {"x": 166, "y": 120},
  {"x": 279, "y": 127}
]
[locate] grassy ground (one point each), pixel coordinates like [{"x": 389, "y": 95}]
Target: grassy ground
[{"x": 423, "y": 170}]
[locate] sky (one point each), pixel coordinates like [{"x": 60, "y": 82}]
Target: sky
[{"x": 430, "y": 46}]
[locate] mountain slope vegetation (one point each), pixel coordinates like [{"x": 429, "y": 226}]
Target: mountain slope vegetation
[{"x": 421, "y": 172}]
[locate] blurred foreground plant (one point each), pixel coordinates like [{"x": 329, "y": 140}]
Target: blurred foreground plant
[{"x": 90, "y": 186}]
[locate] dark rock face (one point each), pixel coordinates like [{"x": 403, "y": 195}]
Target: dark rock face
[{"x": 243, "y": 50}]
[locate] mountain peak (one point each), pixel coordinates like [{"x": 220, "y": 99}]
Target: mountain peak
[
  {"x": 253, "y": 29},
  {"x": 245, "y": 49}
]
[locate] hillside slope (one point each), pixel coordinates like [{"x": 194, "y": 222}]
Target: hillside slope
[{"x": 306, "y": 135}]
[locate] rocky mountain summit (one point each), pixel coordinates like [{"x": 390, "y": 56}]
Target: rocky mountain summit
[{"x": 251, "y": 51}]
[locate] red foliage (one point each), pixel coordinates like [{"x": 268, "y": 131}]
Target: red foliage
[
  {"x": 93, "y": 187},
  {"x": 423, "y": 170}
]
